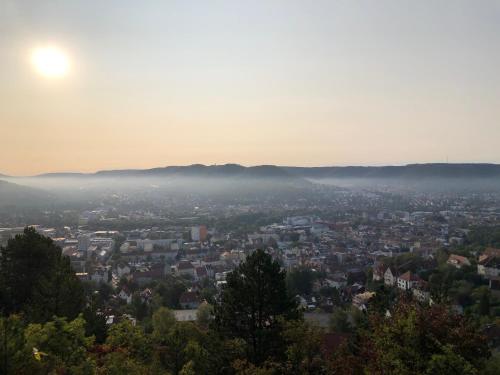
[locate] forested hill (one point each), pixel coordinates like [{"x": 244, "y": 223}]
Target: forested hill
[
  {"x": 22, "y": 196},
  {"x": 410, "y": 171}
]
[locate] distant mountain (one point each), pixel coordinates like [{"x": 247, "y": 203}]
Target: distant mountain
[
  {"x": 22, "y": 196},
  {"x": 63, "y": 174},
  {"x": 410, "y": 171},
  {"x": 195, "y": 170}
]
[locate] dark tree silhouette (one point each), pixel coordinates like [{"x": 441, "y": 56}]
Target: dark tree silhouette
[
  {"x": 253, "y": 305},
  {"x": 37, "y": 280}
]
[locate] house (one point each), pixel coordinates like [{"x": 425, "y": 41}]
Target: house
[
  {"x": 125, "y": 295},
  {"x": 146, "y": 295},
  {"x": 201, "y": 272},
  {"x": 143, "y": 277},
  {"x": 378, "y": 272},
  {"x": 421, "y": 291},
  {"x": 336, "y": 282},
  {"x": 489, "y": 263},
  {"x": 301, "y": 302},
  {"x": 185, "y": 268},
  {"x": 186, "y": 315},
  {"x": 101, "y": 275},
  {"x": 407, "y": 280},
  {"x": 189, "y": 300},
  {"x": 389, "y": 277},
  {"x": 361, "y": 300},
  {"x": 122, "y": 269},
  {"x": 458, "y": 261}
]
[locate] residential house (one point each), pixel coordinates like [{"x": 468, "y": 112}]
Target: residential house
[
  {"x": 421, "y": 291},
  {"x": 407, "y": 280},
  {"x": 489, "y": 263},
  {"x": 361, "y": 300},
  {"x": 189, "y": 300},
  {"x": 458, "y": 261},
  {"x": 185, "y": 268},
  {"x": 125, "y": 295},
  {"x": 122, "y": 269},
  {"x": 389, "y": 277},
  {"x": 378, "y": 272}
]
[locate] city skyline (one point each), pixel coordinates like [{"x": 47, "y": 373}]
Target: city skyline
[{"x": 283, "y": 83}]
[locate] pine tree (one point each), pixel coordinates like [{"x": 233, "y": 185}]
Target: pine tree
[
  {"x": 37, "y": 280},
  {"x": 252, "y": 305}
]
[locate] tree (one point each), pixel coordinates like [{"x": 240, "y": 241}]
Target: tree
[
  {"x": 300, "y": 281},
  {"x": 11, "y": 344},
  {"x": 118, "y": 363},
  {"x": 303, "y": 352},
  {"x": 204, "y": 315},
  {"x": 169, "y": 292},
  {"x": 163, "y": 322},
  {"x": 449, "y": 362},
  {"x": 422, "y": 340},
  {"x": 127, "y": 337},
  {"x": 253, "y": 304},
  {"x": 62, "y": 347},
  {"x": 339, "y": 321},
  {"x": 484, "y": 302},
  {"x": 37, "y": 280}
]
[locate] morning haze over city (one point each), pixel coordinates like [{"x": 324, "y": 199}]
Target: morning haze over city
[{"x": 249, "y": 187}]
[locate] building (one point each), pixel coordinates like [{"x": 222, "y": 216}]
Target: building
[
  {"x": 407, "y": 280},
  {"x": 199, "y": 233},
  {"x": 389, "y": 277},
  {"x": 378, "y": 272},
  {"x": 458, "y": 261},
  {"x": 489, "y": 263},
  {"x": 421, "y": 291},
  {"x": 185, "y": 268},
  {"x": 122, "y": 269},
  {"x": 189, "y": 300},
  {"x": 125, "y": 295},
  {"x": 361, "y": 300}
]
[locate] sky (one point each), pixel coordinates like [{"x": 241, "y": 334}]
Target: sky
[{"x": 309, "y": 83}]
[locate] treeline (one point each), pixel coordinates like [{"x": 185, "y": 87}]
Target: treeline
[{"x": 254, "y": 328}]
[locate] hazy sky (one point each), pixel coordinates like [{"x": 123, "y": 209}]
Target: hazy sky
[{"x": 156, "y": 83}]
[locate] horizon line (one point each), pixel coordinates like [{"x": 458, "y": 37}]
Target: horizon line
[{"x": 2, "y": 175}]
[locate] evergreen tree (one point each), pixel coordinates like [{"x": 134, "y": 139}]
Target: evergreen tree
[
  {"x": 252, "y": 305},
  {"x": 37, "y": 280}
]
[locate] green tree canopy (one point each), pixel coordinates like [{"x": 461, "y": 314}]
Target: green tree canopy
[
  {"x": 423, "y": 340},
  {"x": 37, "y": 280},
  {"x": 252, "y": 305}
]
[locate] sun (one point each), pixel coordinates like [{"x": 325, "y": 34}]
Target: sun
[{"x": 50, "y": 62}]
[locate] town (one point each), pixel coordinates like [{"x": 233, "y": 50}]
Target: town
[{"x": 343, "y": 253}]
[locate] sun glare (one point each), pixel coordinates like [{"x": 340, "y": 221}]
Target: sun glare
[{"x": 50, "y": 62}]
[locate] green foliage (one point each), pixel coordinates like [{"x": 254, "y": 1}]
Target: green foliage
[
  {"x": 492, "y": 365},
  {"x": 484, "y": 302},
  {"x": 300, "y": 281},
  {"x": 37, "y": 280},
  {"x": 127, "y": 337},
  {"x": 163, "y": 323},
  {"x": 63, "y": 343},
  {"x": 449, "y": 362},
  {"x": 485, "y": 236},
  {"x": 253, "y": 305},
  {"x": 12, "y": 345},
  {"x": 119, "y": 363},
  {"x": 339, "y": 321},
  {"x": 205, "y": 315},
  {"x": 168, "y": 292},
  {"x": 303, "y": 348},
  {"x": 423, "y": 340}
]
